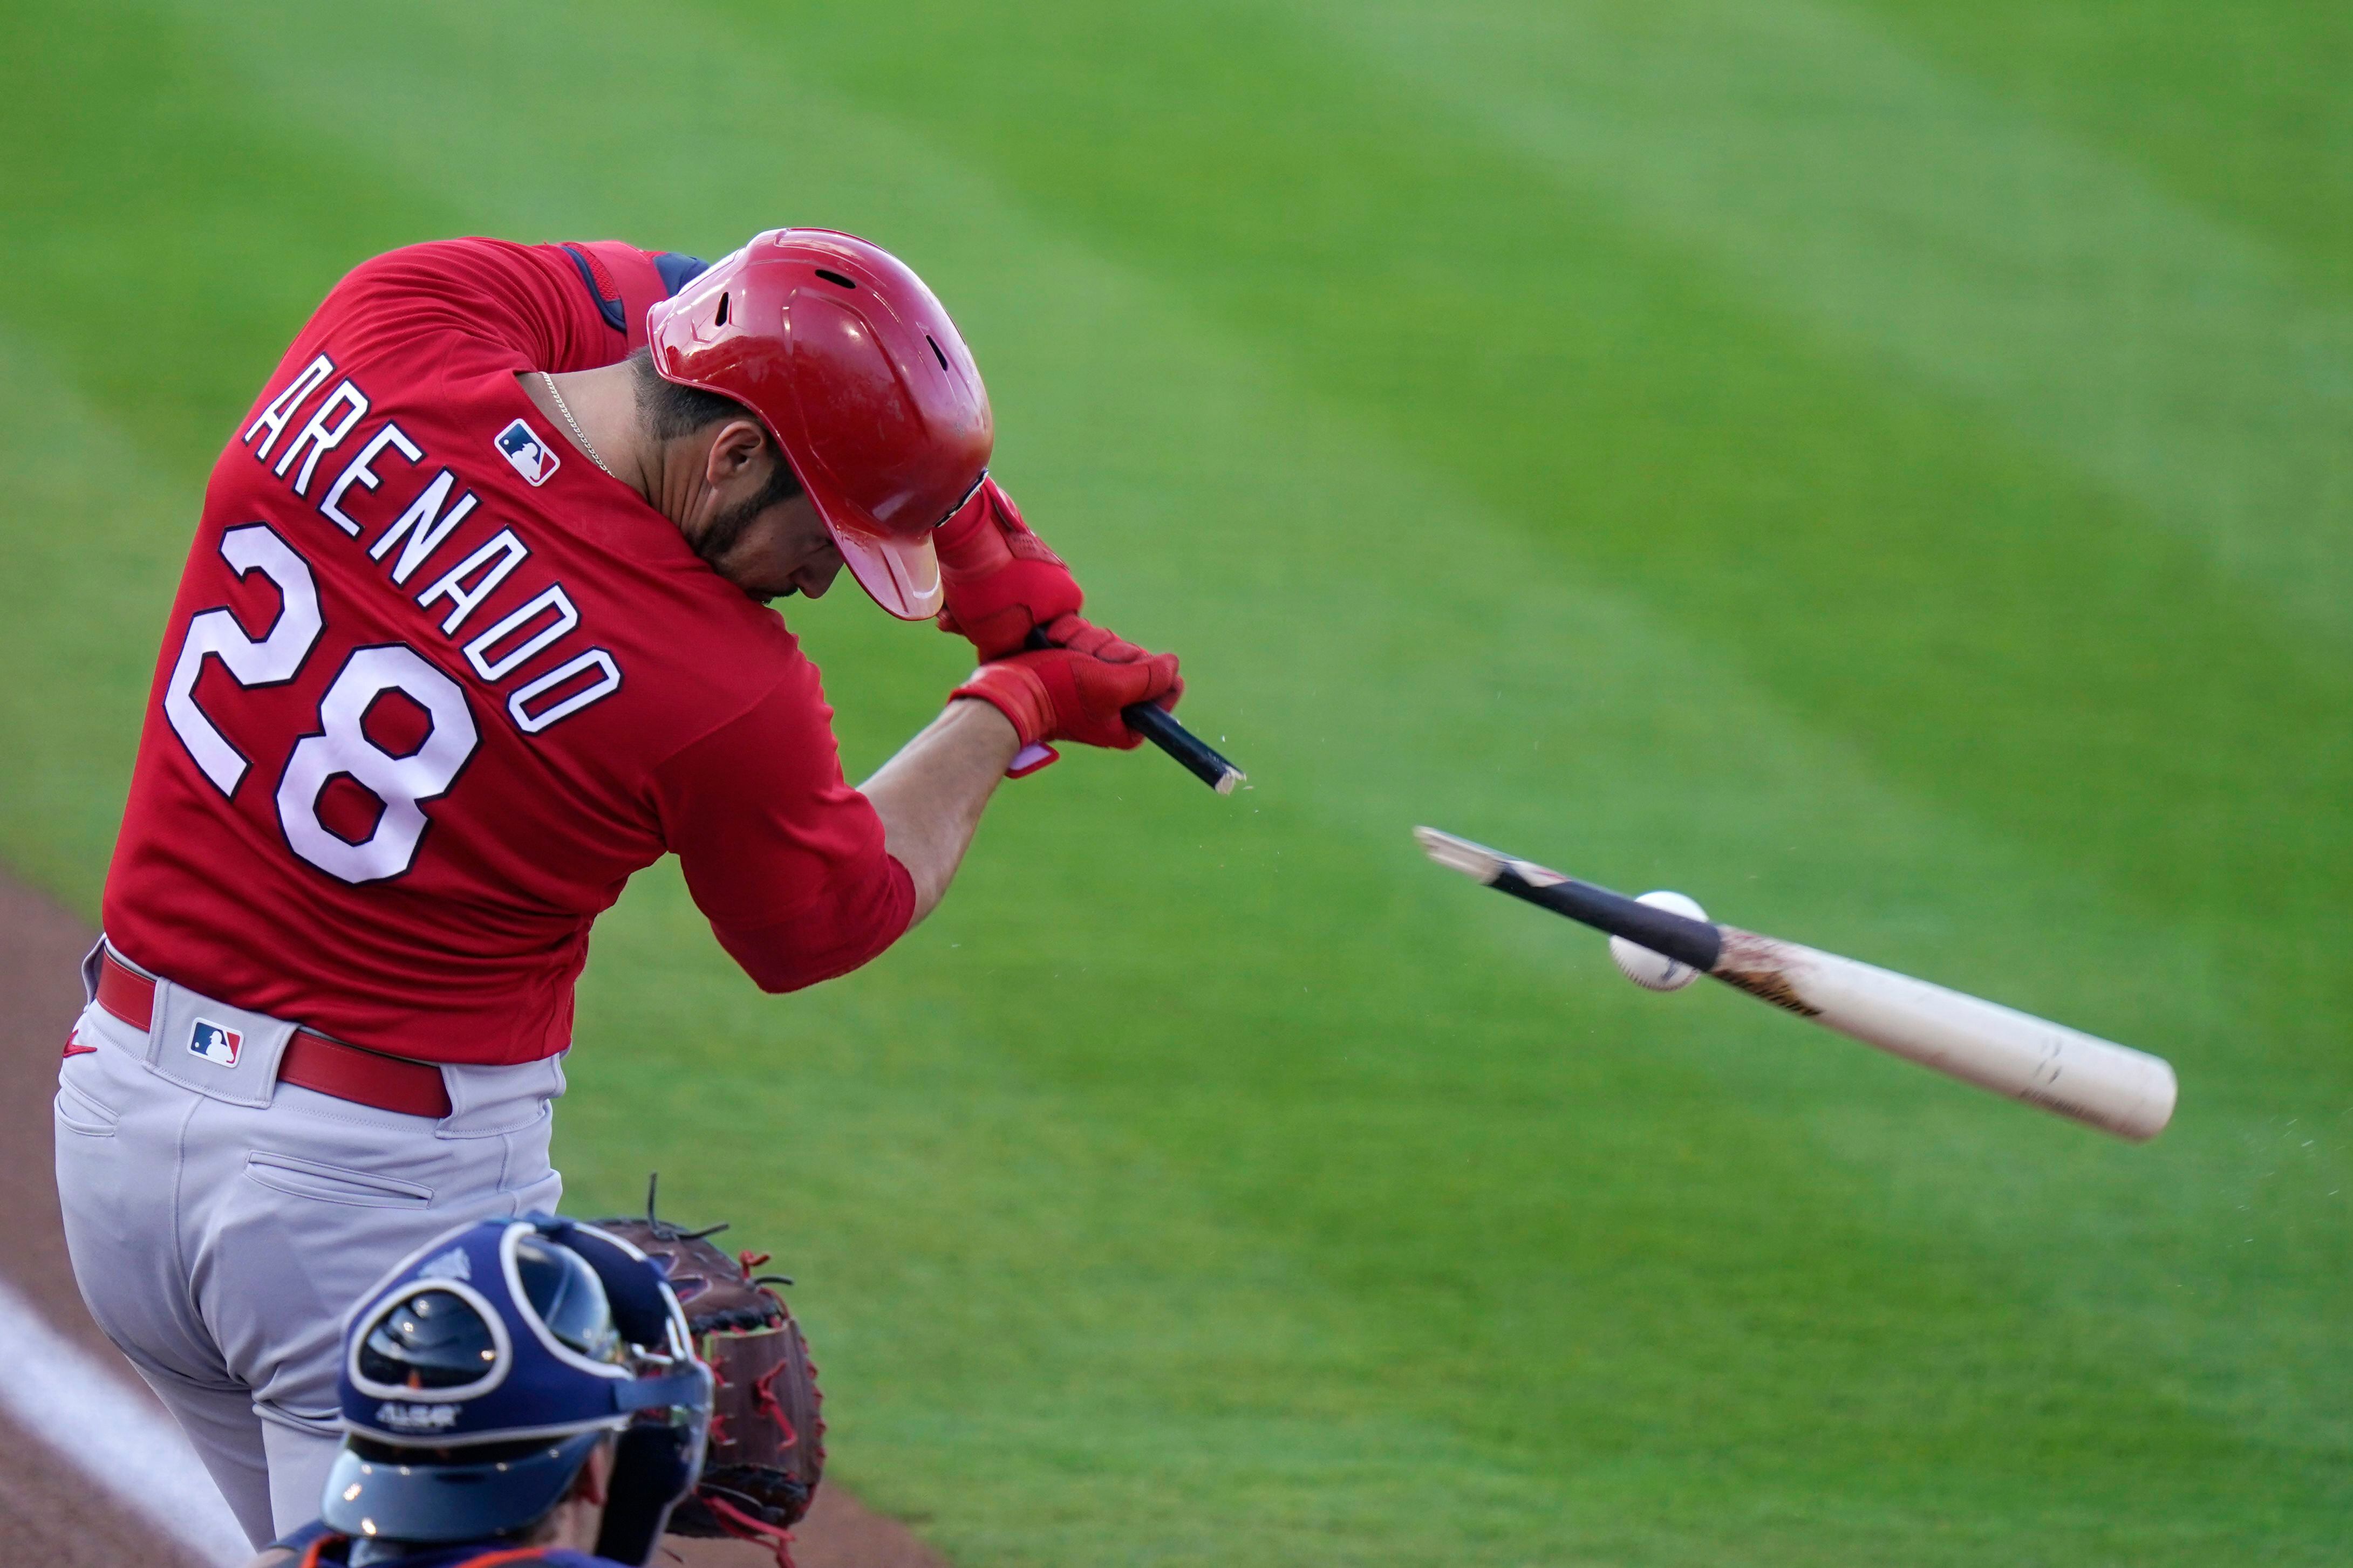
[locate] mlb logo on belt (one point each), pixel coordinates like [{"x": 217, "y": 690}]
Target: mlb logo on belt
[
  {"x": 533, "y": 459},
  {"x": 215, "y": 1044}
]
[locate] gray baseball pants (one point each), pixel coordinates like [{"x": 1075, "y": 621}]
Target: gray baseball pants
[{"x": 222, "y": 1223}]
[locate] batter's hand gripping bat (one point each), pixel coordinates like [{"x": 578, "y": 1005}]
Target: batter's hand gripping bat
[
  {"x": 1160, "y": 727},
  {"x": 2114, "y": 1088}
]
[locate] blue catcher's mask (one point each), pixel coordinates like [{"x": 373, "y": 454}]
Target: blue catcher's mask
[{"x": 481, "y": 1375}]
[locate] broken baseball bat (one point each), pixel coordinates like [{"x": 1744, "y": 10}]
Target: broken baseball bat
[{"x": 2066, "y": 1071}]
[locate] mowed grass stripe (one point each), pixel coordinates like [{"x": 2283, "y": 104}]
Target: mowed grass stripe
[
  {"x": 180, "y": 227},
  {"x": 1906, "y": 212},
  {"x": 1110, "y": 1152},
  {"x": 2241, "y": 110},
  {"x": 94, "y": 530}
]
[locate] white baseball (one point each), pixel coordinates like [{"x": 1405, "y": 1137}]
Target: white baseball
[{"x": 1648, "y": 969}]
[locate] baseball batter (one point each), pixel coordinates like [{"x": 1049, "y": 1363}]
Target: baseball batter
[{"x": 475, "y": 626}]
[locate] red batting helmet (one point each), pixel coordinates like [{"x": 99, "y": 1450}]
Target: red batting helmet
[{"x": 865, "y": 383}]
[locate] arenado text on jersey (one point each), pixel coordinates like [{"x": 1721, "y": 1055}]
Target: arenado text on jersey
[{"x": 557, "y": 686}]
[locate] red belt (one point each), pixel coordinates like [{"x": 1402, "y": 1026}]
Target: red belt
[{"x": 311, "y": 1060}]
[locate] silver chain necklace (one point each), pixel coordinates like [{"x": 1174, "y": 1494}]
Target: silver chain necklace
[{"x": 565, "y": 409}]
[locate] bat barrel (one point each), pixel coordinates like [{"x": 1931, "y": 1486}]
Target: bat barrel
[{"x": 2066, "y": 1071}]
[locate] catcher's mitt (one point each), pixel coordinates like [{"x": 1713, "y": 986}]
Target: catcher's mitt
[{"x": 768, "y": 1438}]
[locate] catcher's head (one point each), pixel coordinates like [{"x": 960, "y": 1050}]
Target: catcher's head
[{"x": 507, "y": 1369}]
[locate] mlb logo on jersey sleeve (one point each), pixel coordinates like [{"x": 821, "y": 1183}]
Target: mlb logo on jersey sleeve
[
  {"x": 216, "y": 1044},
  {"x": 533, "y": 459}
]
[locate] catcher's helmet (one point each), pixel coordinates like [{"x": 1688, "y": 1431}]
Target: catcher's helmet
[
  {"x": 865, "y": 383},
  {"x": 482, "y": 1374}
]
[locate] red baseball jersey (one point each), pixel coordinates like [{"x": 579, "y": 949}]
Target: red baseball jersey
[{"x": 435, "y": 685}]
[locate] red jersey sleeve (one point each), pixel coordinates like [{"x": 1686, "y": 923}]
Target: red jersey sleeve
[
  {"x": 783, "y": 856},
  {"x": 513, "y": 307}
]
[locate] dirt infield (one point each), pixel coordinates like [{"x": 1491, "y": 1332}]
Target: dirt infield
[{"x": 50, "y": 1513}]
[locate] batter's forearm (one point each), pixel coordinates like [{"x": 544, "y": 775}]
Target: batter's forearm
[{"x": 931, "y": 795}]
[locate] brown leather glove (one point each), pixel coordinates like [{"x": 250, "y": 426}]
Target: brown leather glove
[{"x": 766, "y": 1451}]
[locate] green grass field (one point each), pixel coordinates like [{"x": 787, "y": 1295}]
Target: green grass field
[{"x": 1885, "y": 469}]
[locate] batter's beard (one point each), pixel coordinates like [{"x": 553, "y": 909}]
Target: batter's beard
[{"x": 726, "y": 530}]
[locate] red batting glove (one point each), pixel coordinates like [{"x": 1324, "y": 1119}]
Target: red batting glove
[
  {"x": 1074, "y": 690},
  {"x": 1002, "y": 580}
]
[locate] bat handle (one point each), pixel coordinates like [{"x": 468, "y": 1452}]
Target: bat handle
[{"x": 1160, "y": 727}]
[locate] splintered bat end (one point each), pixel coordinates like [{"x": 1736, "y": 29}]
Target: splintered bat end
[{"x": 1475, "y": 861}]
